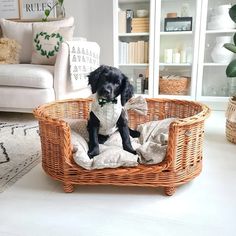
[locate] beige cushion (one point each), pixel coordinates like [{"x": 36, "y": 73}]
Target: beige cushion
[
  {"x": 22, "y": 32},
  {"x": 111, "y": 154},
  {"x": 47, "y": 41},
  {"x": 151, "y": 146},
  {"x": 26, "y": 75}
]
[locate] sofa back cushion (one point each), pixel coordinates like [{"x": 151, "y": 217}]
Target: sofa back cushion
[{"x": 22, "y": 32}]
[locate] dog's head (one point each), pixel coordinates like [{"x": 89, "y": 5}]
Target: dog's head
[{"x": 109, "y": 82}]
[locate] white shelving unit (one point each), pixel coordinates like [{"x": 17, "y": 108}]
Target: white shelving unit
[
  {"x": 212, "y": 83},
  {"x": 208, "y": 82}
]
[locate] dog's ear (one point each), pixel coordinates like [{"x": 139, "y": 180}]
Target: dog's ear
[
  {"x": 127, "y": 90},
  {"x": 93, "y": 78}
]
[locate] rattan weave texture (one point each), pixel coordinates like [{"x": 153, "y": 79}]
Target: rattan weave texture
[
  {"x": 183, "y": 160},
  {"x": 230, "y": 124},
  {"x": 174, "y": 86}
]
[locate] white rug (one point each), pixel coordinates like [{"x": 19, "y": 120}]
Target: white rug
[{"x": 19, "y": 146}]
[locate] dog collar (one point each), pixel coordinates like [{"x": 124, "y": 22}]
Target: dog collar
[{"x": 103, "y": 101}]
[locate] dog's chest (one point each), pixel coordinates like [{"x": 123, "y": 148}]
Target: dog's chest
[{"x": 108, "y": 116}]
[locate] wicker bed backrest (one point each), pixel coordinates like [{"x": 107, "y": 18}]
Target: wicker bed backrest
[
  {"x": 73, "y": 109},
  {"x": 159, "y": 109}
]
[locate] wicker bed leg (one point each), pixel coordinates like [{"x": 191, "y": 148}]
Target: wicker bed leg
[
  {"x": 169, "y": 191},
  {"x": 68, "y": 188}
]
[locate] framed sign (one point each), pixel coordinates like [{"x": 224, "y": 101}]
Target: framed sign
[
  {"x": 9, "y": 9},
  {"x": 34, "y": 9},
  {"x": 178, "y": 24}
]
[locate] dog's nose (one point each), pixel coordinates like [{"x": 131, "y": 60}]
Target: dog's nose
[{"x": 106, "y": 92}]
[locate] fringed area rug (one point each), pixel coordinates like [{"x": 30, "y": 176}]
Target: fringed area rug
[{"x": 19, "y": 146}]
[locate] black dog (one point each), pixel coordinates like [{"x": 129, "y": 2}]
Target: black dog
[{"x": 112, "y": 90}]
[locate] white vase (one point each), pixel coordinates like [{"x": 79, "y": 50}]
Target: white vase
[{"x": 220, "y": 54}]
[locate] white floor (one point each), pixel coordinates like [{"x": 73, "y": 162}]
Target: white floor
[{"x": 37, "y": 206}]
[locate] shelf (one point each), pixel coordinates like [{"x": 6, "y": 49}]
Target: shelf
[
  {"x": 136, "y": 65},
  {"x": 220, "y": 31},
  {"x": 214, "y": 64},
  {"x": 134, "y": 1},
  {"x": 133, "y": 34},
  {"x": 141, "y": 94},
  {"x": 180, "y": 97},
  {"x": 177, "y": 33},
  {"x": 173, "y": 64},
  {"x": 214, "y": 98}
]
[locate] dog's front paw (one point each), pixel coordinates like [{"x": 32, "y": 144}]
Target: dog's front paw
[
  {"x": 93, "y": 152},
  {"x": 134, "y": 133},
  {"x": 131, "y": 150}
]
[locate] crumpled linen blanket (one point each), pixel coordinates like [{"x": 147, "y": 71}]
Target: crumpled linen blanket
[{"x": 151, "y": 146}]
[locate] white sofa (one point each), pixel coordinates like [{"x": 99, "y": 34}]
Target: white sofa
[{"x": 25, "y": 86}]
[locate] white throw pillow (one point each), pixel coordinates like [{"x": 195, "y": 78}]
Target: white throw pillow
[
  {"x": 47, "y": 41},
  {"x": 22, "y": 32}
]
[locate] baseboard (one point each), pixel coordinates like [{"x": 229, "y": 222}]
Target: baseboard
[{"x": 13, "y": 109}]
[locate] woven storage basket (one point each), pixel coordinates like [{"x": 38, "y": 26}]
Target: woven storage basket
[
  {"x": 183, "y": 159},
  {"x": 176, "y": 86},
  {"x": 230, "y": 121}
]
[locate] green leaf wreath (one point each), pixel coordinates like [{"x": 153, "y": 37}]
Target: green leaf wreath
[{"x": 47, "y": 36}]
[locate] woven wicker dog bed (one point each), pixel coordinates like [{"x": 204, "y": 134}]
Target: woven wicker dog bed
[{"x": 183, "y": 160}]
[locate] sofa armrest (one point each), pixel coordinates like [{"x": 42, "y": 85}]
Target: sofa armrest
[
  {"x": 61, "y": 71},
  {"x": 62, "y": 82}
]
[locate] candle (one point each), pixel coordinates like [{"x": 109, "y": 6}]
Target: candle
[
  {"x": 176, "y": 57},
  {"x": 183, "y": 56},
  {"x": 168, "y": 54}
]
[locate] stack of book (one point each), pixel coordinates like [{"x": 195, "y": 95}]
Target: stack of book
[
  {"x": 122, "y": 22},
  {"x": 140, "y": 25},
  {"x": 133, "y": 52},
  {"x": 128, "y": 24}
]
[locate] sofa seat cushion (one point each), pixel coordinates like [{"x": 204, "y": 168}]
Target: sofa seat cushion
[{"x": 26, "y": 75}]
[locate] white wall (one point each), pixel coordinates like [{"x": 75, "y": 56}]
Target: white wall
[{"x": 94, "y": 21}]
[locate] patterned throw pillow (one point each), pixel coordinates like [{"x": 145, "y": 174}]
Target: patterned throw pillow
[
  {"x": 9, "y": 51},
  {"x": 47, "y": 41}
]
